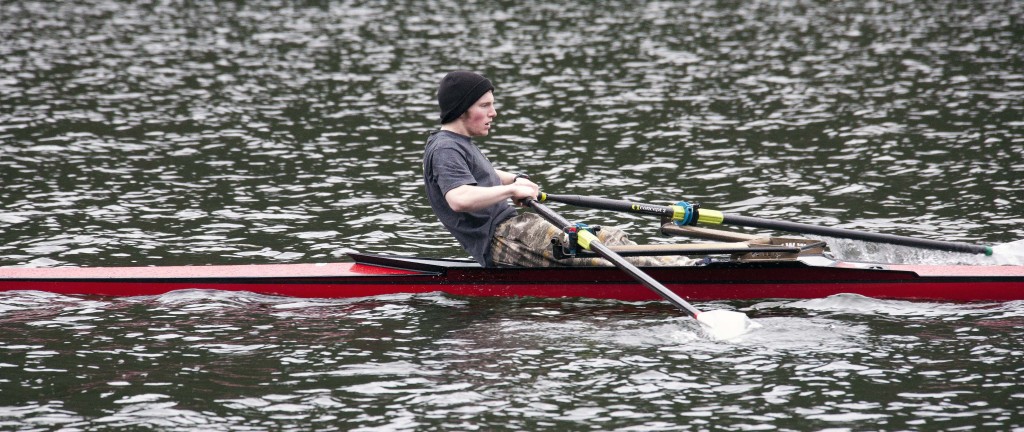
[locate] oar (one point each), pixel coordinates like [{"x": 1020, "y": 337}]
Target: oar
[
  {"x": 688, "y": 214},
  {"x": 721, "y": 324}
]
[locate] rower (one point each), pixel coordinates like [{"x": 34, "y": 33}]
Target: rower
[{"x": 470, "y": 197}]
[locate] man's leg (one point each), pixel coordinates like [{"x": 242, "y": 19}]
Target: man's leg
[{"x": 525, "y": 240}]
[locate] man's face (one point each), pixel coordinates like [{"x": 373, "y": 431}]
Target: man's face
[{"x": 477, "y": 118}]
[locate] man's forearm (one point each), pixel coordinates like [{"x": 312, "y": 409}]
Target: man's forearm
[
  {"x": 505, "y": 176},
  {"x": 468, "y": 198}
]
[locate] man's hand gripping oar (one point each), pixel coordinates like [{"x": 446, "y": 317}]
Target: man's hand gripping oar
[{"x": 719, "y": 324}]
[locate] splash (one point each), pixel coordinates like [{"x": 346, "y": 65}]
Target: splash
[
  {"x": 1009, "y": 253},
  {"x": 854, "y": 250},
  {"x": 858, "y": 304}
]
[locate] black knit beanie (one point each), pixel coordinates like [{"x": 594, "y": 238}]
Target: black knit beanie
[{"x": 458, "y": 91}]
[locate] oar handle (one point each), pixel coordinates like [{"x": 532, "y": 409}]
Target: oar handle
[{"x": 595, "y": 245}]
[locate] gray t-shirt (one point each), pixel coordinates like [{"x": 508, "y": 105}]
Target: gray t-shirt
[{"x": 452, "y": 160}]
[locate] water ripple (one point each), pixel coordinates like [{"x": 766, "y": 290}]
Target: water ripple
[{"x": 266, "y": 131}]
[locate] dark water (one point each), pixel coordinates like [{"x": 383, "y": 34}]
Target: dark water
[
  {"x": 195, "y": 360},
  {"x": 189, "y": 132}
]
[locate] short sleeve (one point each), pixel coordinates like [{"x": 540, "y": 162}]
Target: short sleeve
[{"x": 452, "y": 169}]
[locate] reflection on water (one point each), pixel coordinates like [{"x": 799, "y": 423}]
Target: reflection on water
[
  {"x": 158, "y": 133},
  {"x": 202, "y": 359}
]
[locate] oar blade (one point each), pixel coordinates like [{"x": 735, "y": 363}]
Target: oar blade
[{"x": 725, "y": 324}]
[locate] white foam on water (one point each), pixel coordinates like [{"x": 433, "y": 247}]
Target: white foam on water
[
  {"x": 853, "y": 250},
  {"x": 861, "y": 305},
  {"x": 1009, "y": 253},
  {"x": 796, "y": 334}
]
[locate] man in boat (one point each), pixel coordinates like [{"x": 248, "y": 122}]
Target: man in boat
[{"x": 471, "y": 198}]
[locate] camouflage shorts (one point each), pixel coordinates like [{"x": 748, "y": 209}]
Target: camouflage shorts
[{"x": 525, "y": 240}]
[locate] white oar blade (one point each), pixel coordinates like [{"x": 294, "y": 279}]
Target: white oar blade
[{"x": 725, "y": 325}]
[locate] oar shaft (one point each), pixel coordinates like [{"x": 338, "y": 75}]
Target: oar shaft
[
  {"x": 754, "y": 222},
  {"x": 610, "y": 204},
  {"x": 716, "y": 217},
  {"x": 644, "y": 278},
  {"x": 616, "y": 260}
]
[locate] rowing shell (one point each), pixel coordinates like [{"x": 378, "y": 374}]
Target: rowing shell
[{"x": 372, "y": 275}]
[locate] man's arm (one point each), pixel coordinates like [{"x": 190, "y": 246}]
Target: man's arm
[
  {"x": 505, "y": 176},
  {"x": 468, "y": 198}
]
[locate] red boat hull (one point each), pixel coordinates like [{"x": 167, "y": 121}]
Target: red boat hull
[{"x": 379, "y": 275}]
